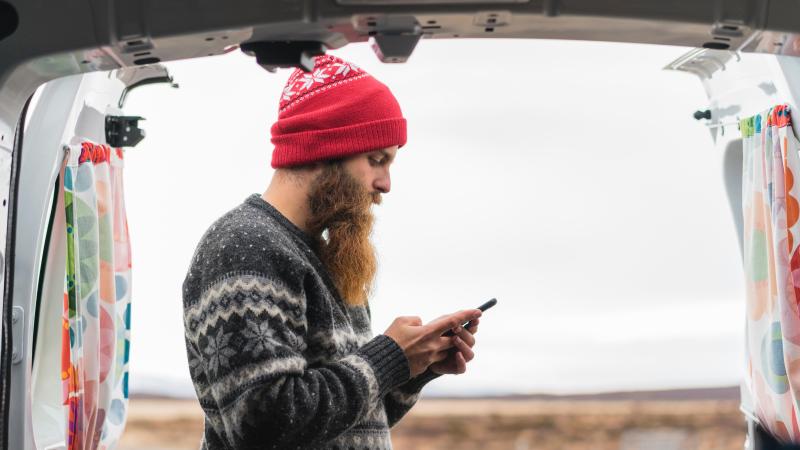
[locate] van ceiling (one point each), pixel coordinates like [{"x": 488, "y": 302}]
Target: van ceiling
[
  {"x": 46, "y": 39},
  {"x": 110, "y": 33}
]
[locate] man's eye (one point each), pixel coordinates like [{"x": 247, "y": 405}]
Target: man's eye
[{"x": 375, "y": 162}]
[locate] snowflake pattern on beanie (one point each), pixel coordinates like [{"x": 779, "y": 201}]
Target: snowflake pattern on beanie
[{"x": 329, "y": 72}]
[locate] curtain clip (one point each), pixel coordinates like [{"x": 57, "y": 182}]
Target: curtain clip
[{"x": 67, "y": 151}]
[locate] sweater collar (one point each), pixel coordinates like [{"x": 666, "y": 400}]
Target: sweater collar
[{"x": 259, "y": 202}]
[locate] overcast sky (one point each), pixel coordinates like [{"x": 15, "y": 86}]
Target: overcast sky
[{"x": 567, "y": 179}]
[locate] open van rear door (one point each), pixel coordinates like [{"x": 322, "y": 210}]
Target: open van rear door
[{"x": 76, "y": 48}]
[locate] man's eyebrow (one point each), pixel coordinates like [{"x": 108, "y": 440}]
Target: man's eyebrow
[{"x": 387, "y": 155}]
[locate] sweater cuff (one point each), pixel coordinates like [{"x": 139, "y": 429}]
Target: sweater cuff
[
  {"x": 388, "y": 362},
  {"x": 414, "y": 385}
]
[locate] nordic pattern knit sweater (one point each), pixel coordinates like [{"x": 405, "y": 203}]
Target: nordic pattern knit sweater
[{"x": 278, "y": 360}]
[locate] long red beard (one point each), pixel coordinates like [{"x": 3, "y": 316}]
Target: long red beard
[{"x": 340, "y": 209}]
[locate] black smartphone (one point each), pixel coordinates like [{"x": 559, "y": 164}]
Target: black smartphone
[{"x": 483, "y": 307}]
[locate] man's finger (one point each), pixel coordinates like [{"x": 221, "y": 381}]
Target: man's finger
[
  {"x": 467, "y": 337},
  {"x": 440, "y": 356},
  {"x": 473, "y": 326},
  {"x": 464, "y": 349},
  {"x": 442, "y": 344},
  {"x": 461, "y": 364},
  {"x": 449, "y": 321}
]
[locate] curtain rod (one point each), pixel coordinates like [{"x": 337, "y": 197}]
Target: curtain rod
[
  {"x": 706, "y": 114},
  {"x": 722, "y": 124}
]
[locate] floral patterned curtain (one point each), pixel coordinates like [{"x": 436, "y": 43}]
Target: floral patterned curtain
[
  {"x": 97, "y": 289},
  {"x": 770, "y": 196}
]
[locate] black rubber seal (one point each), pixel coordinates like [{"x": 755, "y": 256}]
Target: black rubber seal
[{"x": 8, "y": 290}]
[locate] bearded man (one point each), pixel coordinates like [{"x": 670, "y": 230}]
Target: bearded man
[{"x": 276, "y": 311}]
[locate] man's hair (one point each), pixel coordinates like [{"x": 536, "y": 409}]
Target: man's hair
[{"x": 298, "y": 173}]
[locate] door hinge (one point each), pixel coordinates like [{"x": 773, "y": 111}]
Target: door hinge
[
  {"x": 17, "y": 335},
  {"x": 123, "y": 131}
]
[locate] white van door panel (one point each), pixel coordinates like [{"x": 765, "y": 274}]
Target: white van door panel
[{"x": 70, "y": 110}]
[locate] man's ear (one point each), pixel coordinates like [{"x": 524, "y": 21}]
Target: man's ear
[{"x": 301, "y": 174}]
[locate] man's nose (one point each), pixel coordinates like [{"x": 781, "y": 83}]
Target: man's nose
[{"x": 383, "y": 184}]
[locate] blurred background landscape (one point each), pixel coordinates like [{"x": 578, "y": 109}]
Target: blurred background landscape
[{"x": 691, "y": 419}]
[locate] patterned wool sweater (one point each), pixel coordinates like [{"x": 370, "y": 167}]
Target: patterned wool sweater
[{"x": 278, "y": 360}]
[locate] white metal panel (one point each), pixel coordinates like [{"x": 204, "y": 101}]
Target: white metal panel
[{"x": 70, "y": 110}]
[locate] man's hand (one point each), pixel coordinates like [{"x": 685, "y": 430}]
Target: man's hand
[
  {"x": 424, "y": 345},
  {"x": 458, "y": 357}
]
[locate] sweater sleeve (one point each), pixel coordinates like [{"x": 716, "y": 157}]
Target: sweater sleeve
[
  {"x": 401, "y": 399},
  {"x": 248, "y": 337}
]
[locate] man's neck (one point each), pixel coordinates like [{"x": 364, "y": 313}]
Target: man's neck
[{"x": 290, "y": 200}]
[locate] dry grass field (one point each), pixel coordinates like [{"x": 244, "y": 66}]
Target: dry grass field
[{"x": 495, "y": 424}]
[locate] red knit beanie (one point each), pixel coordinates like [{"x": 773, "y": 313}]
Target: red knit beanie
[{"x": 334, "y": 111}]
